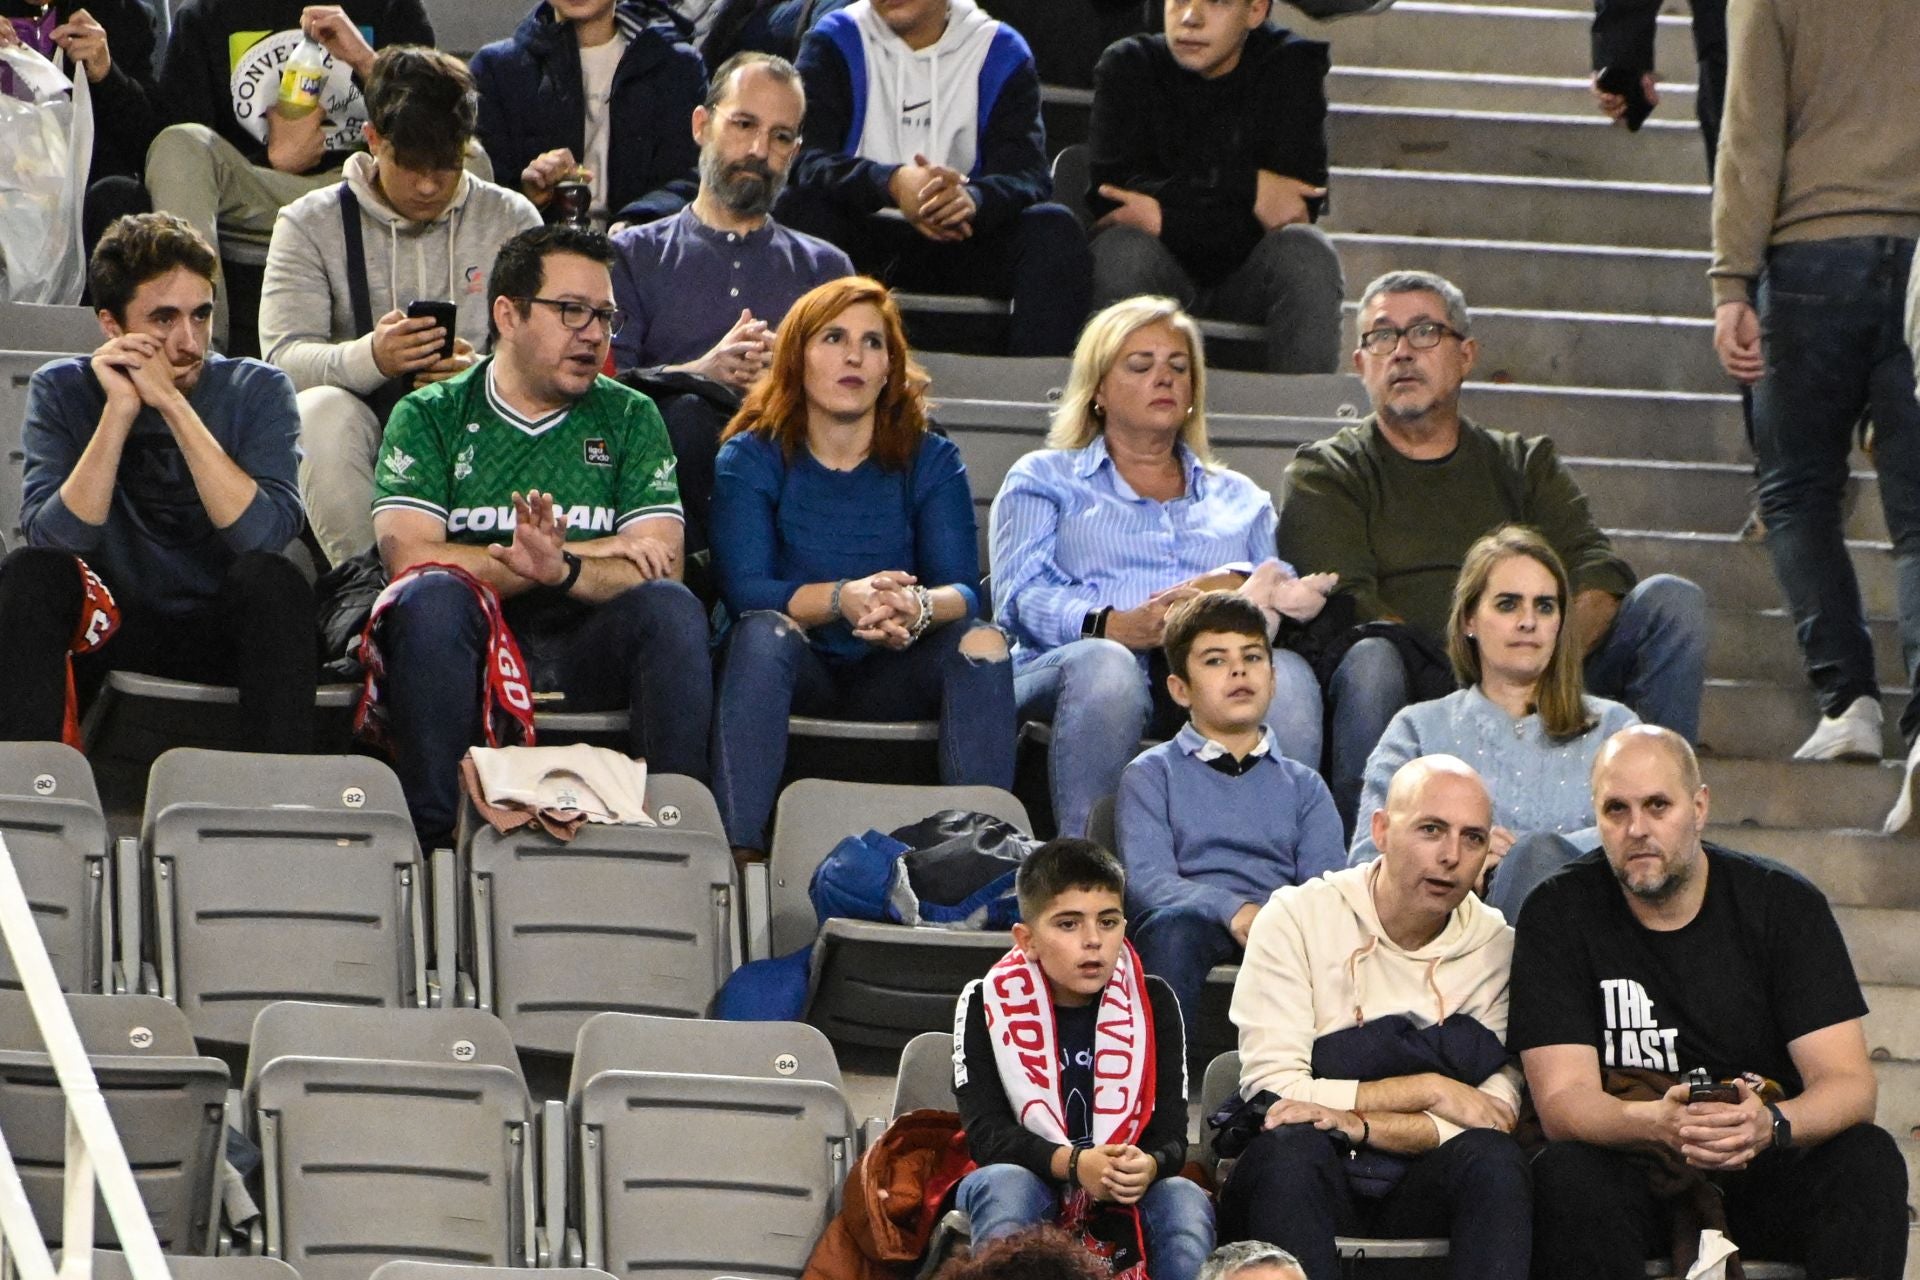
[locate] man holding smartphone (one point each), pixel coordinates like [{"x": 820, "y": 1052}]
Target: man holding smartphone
[
  {"x": 1663, "y": 954},
  {"x": 377, "y": 285}
]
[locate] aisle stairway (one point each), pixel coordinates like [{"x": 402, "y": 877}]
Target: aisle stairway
[{"x": 1465, "y": 141}]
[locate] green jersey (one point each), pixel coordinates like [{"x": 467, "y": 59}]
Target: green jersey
[{"x": 456, "y": 451}]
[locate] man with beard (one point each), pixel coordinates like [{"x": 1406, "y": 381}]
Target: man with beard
[
  {"x": 1661, "y": 955},
  {"x": 704, "y": 289}
]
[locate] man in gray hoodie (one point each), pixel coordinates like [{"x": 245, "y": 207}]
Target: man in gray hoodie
[{"x": 408, "y": 224}]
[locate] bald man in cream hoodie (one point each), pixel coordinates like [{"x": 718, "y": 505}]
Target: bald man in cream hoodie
[{"x": 1341, "y": 1000}]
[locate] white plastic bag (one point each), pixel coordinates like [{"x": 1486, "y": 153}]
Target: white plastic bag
[{"x": 46, "y": 150}]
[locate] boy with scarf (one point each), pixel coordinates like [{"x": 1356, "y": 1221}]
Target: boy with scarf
[{"x": 1070, "y": 1070}]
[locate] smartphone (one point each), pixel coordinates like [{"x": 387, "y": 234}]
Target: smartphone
[
  {"x": 1713, "y": 1091},
  {"x": 1628, "y": 83},
  {"x": 443, "y": 312}
]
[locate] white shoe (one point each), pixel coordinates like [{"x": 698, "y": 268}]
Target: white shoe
[
  {"x": 1854, "y": 734},
  {"x": 1901, "y": 815}
]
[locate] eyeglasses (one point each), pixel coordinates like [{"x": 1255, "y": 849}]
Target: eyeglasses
[
  {"x": 578, "y": 315},
  {"x": 1421, "y": 336}
]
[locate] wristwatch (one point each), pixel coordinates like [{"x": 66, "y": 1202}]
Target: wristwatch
[
  {"x": 573, "y": 563},
  {"x": 1782, "y": 1127}
]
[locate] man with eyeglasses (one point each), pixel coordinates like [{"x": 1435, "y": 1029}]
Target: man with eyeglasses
[
  {"x": 553, "y": 487},
  {"x": 1393, "y": 502},
  {"x": 705, "y": 289}
]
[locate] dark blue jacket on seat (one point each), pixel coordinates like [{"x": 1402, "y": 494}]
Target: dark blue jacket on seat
[{"x": 533, "y": 99}]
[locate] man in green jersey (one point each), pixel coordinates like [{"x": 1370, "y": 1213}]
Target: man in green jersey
[{"x": 555, "y": 487}]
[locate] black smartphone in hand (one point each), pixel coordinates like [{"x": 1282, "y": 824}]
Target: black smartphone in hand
[
  {"x": 1631, "y": 85},
  {"x": 443, "y": 312}
]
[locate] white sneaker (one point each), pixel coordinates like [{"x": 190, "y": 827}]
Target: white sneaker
[
  {"x": 1901, "y": 815},
  {"x": 1854, "y": 734}
]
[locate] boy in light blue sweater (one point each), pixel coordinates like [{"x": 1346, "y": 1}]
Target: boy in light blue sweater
[{"x": 1211, "y": 823}]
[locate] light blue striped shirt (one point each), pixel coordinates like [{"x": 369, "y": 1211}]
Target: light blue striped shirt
[{"x": 1070, "y": 535}]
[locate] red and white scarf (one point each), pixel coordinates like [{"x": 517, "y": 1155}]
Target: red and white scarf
[
  {"x": 99, "y": 618},
  {"x": 1026, "y": 1053},
  {"x": 506, "y": 696}
]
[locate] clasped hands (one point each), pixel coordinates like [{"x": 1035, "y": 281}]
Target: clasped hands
[{"x": 882, "y": 607}]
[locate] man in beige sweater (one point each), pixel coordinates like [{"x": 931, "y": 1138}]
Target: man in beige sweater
[
  {"x": 1815, "y": 209},
  {"x": 1382, "y": 1121}
]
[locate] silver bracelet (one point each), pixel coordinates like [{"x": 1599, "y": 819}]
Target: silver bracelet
[
  {"x": 925, "y": 620},
  {"x": 833, "y": 605}
]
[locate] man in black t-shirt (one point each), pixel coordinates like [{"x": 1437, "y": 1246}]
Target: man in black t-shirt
[{"x": 1662, "y": 953}]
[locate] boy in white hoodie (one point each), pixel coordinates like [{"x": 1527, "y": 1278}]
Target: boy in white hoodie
[
  {"x": 925, "y": 159},
  {"x": 1351, "y": 983},
  {"x": 407, "y": 224}
]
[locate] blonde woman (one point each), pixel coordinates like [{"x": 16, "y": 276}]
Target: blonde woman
[
  {"x": 1519, "y": 717},
  {"x": 1125, "y": 514}
]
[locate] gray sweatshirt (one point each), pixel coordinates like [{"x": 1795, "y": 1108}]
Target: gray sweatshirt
[{"x": 306, "y": 308}]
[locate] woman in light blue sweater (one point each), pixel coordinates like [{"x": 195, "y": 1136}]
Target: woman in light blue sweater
[{"x": 1519, "y": 717}]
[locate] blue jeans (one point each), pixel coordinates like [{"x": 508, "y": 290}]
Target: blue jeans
[
  {"x": 1831, "y": 313},
  {"x": 1533, "y": 858},
  {"x": 771, "y": 672},
  {"x": 1654, "y": 658},
  {"x": 1180, "y": 946},
  {"x": 1095, "y": 694},
  {"x": 1290, "y": 1189},
  {"x": 1367, "y": 690},
  {"x": 645, "y": 649},
  {"x": 1176, "y": 1215}
]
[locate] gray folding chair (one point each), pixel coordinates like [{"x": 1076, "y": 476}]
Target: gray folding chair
[
  {"x": 110, "y": 1265},
  {"x": 32, "y": 326},
  {"x": 168, "y": 1104},
  {"x": 674, "y": 1166},
  {"x": 925, "y": 1081},
  {"x": 412, "y": 1138},
  {"x": 16, "y": 371},
  {"x": 875, "y": 984},
  {"x": 280, "y": 877},
  {"x": 461, "y": 27},
  {"x": 410, "y": 1269},
  {"x": 51, "y": 819},
  {"x": 1221, "y": 1082},
  {"x": 622, "y": 918}
]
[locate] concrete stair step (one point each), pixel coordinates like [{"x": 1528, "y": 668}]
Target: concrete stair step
[
  {"x": 1893, "y": 1023},
  {"x": 1583, "y": 145},
  {"x": 1536, "y": 276},
  {"x": 1492, "y": 207},
  {"x": 1509, "y": 39},
  {"x": 1852, "y": 867},
  {"x": 1606, "y": 422},
  {"x": 1631, "y": 494},
  {"x": 1761, "y": 646},
  {"x": 1739, "y": 575},
  {"x": 1768, "y": 721},
  {"x": 1885, "y": 947},
  {"x": 1568, "y": 94}
]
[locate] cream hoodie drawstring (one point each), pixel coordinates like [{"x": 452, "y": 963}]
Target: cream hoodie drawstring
[{"x": 1353, "y": 978}]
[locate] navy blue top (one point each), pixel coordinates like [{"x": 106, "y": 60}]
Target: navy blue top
[{"x": 778, "y": 525}]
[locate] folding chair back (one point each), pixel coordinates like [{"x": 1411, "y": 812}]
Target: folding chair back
[
  {"x": 925, "y": 1082},
  {"x": 764, "y": 1050},
  {"x": 278, "y": 878},
  {"x": 629, "y": 918},
  {"x": 51, "y": 819},
  {"x": 111, "y": 1265},
  {"x": 167, "y": 1102}
]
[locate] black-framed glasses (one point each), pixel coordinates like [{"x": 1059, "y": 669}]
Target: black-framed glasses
[
  {"x": 1423, "y": 335},
  {"x": 578, "y": 315}
]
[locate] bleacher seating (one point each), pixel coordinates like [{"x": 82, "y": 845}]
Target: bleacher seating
[
  {"x": 622, "y": 918},
  {"x": 110, "y": 1264},
  {"x": 391, "y": 1133},
  {"x": 874, "y": 984},
  {"x": 167, "y": 1101},
  {"x": 280, "y": 877},
  {"x": 57, "y": 835},
  {"x": 662, "y": 1111}
]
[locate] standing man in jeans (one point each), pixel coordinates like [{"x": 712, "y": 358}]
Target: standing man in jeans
[{"x": 1815, "y": 208}]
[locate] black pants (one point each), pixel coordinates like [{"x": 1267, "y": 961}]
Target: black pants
[
  {"x": 258, "y": 633},
  {"x": 1290, "y": 1189},
  {"x": 1838, "y": 1209},
  {"x": 694, "y": 424},
  {"x": 1039, "y": 260}
]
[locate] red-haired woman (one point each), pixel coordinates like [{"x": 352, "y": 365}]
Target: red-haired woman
[{"x": 845, "y": 545}]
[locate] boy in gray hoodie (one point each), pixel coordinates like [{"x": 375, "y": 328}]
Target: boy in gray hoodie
[{"x": 408, "y": 224}]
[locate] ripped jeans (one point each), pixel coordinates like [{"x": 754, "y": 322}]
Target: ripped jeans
[{"x": 771, "y": 672}]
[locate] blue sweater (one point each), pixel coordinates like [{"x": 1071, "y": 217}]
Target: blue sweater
[
  {"x": 779, "y": 525},
  {"x": 1537, "y": 784},
  {"x": 157, "y": 549},
  {"x": 1196, "y": 837}
]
